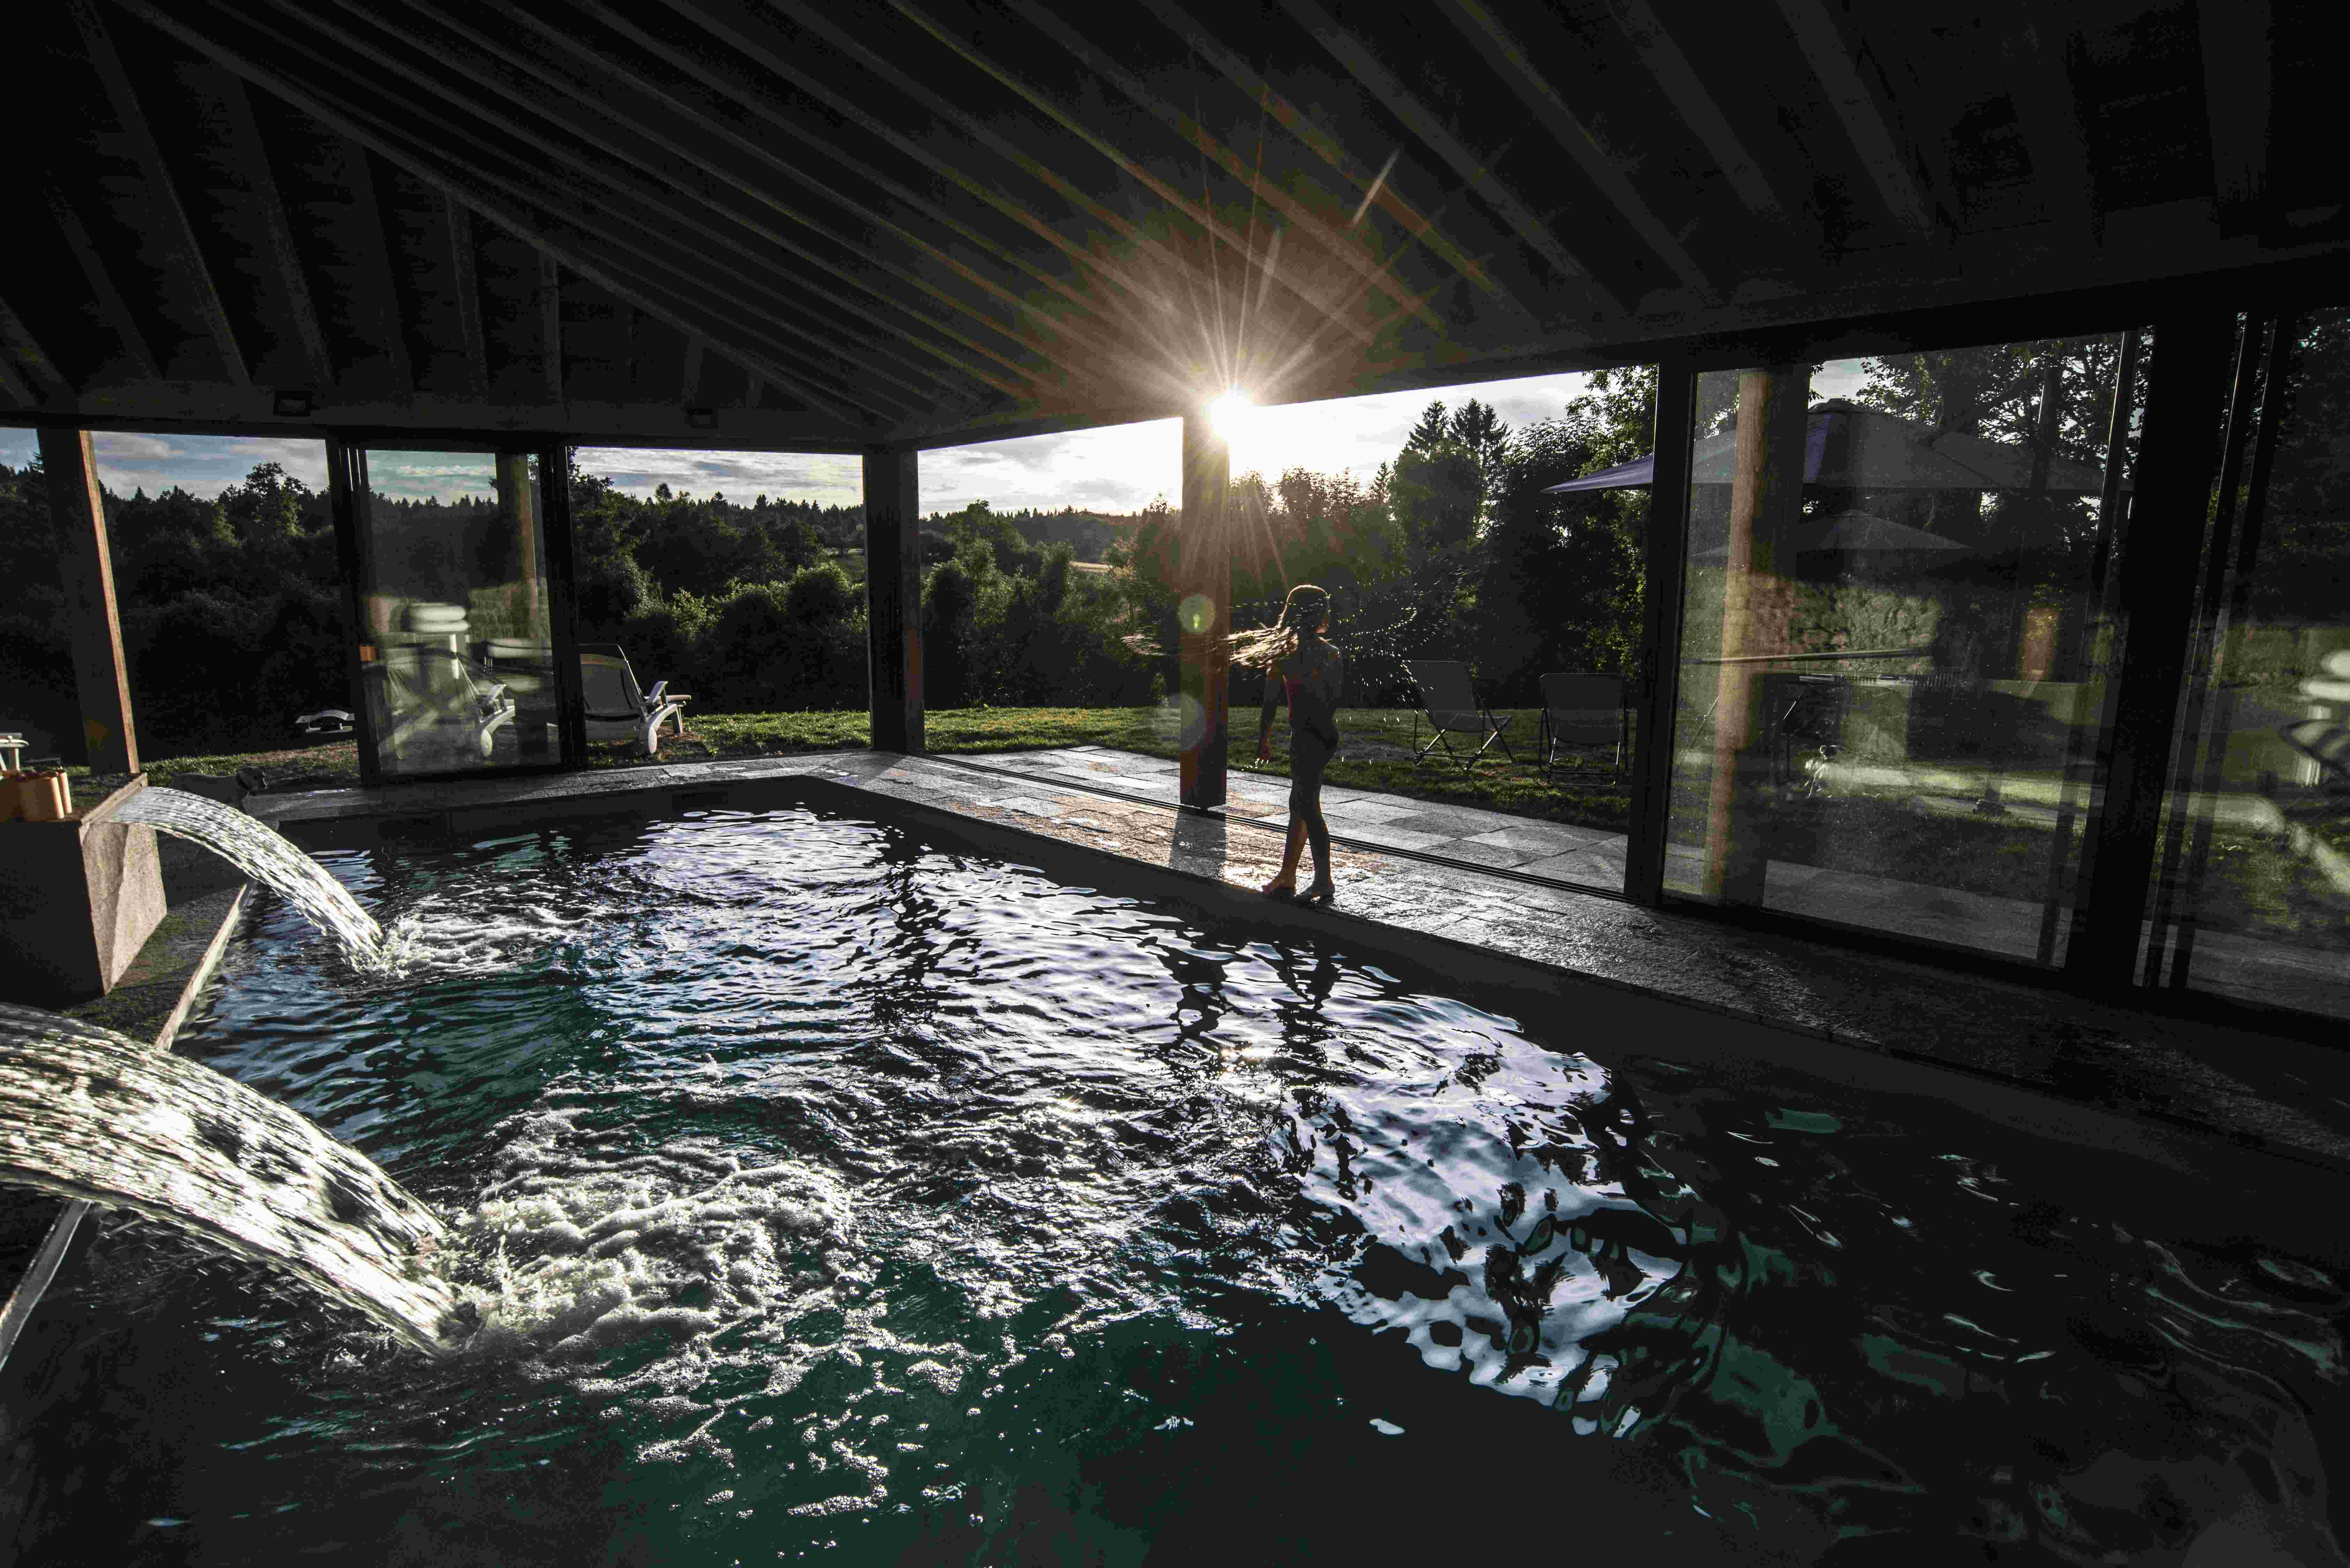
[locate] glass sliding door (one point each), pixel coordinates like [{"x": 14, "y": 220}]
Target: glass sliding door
[
  {"x": 456, "y": 650},
  {"x": 1893, "y": 650},
  {"x": 2253, "y": 897}
]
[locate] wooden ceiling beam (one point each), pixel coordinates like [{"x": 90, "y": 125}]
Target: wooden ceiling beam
[
  {"x": 761, "y": 53},
  {"x": 457, "y": 234},
  {"x": 2048, "y": 113},
  {"x": 1087, "y": 332},
  {"x": 647, "y": 198},
  {"x": 1861, "y": 107},
  {"x": 1511, "y": 61},
  {"x": 1371, "y": 272},
  {"x": 112, "y": 308},
  {"x": 2239, "y": 88},
  {"x": 177, "y": 234},
  {"x": 1682, "y": 89},
  {"x": 1326, "y": 309},
  {"x": 32, "y": 376},
  {"x": 1533, "y": 231},
  {"x": 424, "y": 169},
  {"x": 550, "y": 323},
  {"x": 250, "y": 151},
  {"x": 1376, "y": 186},
  {"x": 700, "y": 158},
  {"x": 390, "y": 322},
  {"x": 530, "y": 190}
]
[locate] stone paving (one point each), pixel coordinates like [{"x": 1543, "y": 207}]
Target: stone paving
[{"x": 2273, "y": 1096}]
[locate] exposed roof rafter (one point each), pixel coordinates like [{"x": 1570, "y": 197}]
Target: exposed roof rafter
[
  {"x": 179, "y": 235},
  {"x": 1868, "y": 120},
  {"x": 252, "y": 153},
  {"x": 112, "y": 308}
]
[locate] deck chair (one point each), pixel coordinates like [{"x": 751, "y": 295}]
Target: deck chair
[
  {"x": 618, "y": 709},
  {"x": 1449, "y": 701},
  {"x": 1581, "y": 709},
  {"x": 431, "y": 710}
]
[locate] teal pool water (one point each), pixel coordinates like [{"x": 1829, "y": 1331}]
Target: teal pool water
[{"x": 827, "y": 1192}]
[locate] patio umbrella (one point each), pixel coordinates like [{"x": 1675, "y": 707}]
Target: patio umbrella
[
  {"x": 1857, "y": 534},
  {"x": 1848, "y": 447}
]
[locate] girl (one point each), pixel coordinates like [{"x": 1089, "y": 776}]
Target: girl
[{"x": 1298, "y": 658}]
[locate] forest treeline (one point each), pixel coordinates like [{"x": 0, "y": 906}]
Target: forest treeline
[{"x": 234, "y": 622}]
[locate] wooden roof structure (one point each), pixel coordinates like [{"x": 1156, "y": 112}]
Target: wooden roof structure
[{"x": 771, "y": 223}]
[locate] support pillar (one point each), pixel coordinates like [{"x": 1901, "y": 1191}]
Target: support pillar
[
  {"x": 893, "y": 597},
  {"x": 86, "y": 573},
  {"x": 1766, "y": 497},
  {"x": 1203, "y": 580}
]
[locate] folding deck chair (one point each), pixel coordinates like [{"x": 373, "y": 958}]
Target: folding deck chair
[
  {"x": 1449, "y": 701},
  {"x": 1583, "y": 710}
]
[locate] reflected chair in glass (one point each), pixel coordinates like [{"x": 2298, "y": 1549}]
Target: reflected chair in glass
[
  {"x": 618, "y": 709},
  {"x": 431, "y": 714},
  {"x": 1583, "y": 710},
  {"x": 1450, "y": 701}
]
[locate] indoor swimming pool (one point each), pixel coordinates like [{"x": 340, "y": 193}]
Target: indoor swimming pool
[{"x": 818, "y": 1188}]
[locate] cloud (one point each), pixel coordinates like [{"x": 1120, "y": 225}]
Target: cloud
[{"x": 830, "y": 480}]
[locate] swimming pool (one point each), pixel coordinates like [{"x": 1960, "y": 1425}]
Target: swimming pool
[{"x": 828, "y": 1189}]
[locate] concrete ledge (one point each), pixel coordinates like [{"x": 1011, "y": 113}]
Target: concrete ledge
[{"x": 78, "y": 898}]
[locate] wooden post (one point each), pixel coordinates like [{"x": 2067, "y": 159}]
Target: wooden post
[
  {"x": 1765, "y": 501},
  {"x": 516, "y": 494},
  {"x": 1203, "y": 580},
  {"x": 893, "y": 597},
  {"x": 86, "y": 573}
]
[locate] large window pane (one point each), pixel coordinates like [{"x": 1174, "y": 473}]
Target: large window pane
[
  {"x": 457, "y": 658},
  {"x": 2256, "y": 902},
  {"x": 1892, "y": 665}
]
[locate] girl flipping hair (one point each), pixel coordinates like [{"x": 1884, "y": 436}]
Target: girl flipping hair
[{"x": 1299, "y": 661}]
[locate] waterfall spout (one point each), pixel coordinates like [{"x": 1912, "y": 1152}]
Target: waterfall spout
[
  {"x": 88, "y": 1114},
  {"x": 263, "y": 853}
]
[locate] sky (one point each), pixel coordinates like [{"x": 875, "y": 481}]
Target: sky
[{"x": 1118, "y": 469}]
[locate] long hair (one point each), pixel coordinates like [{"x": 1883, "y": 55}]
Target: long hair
[{"x": 1303, "y": 613}]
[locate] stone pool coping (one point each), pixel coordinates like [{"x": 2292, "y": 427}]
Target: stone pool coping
[{"x": 2260, "y": 1092}]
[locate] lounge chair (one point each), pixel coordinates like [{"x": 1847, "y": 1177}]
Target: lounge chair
[
  {"x": 618, "y": 709},
  {"x": 1449, "y": 701},
  {"x": 431, "y": 711},
  {"x": 1580, "y": 710}
]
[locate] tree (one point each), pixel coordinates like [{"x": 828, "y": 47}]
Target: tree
[{"x": 1432, "y": 429}]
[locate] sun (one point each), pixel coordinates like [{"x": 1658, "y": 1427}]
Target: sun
[{"x": 1229, "y": 414}]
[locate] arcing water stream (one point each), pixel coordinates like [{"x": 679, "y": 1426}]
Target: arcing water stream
[
  {"x": 87, "y": 1114},
  {"x": 266, "y": 856}
]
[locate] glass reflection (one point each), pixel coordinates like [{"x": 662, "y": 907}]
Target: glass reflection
[
  {"x": 1893, "y": 655},
  {"x": 456, "y": 654}
]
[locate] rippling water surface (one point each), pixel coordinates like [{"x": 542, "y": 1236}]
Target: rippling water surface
[{"x": 819, "y": 1192}]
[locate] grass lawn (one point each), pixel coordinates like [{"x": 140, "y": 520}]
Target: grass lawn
[{"x": 1377, "y": 755}]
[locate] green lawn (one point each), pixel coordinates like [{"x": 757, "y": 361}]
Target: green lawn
[{"x": 1377, "y": 755}]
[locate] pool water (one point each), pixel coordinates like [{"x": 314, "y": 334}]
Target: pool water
[{"x": 825, "y": 1192}]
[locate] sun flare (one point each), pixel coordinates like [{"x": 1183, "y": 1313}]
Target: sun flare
[{"x": 1230, "y": 414}]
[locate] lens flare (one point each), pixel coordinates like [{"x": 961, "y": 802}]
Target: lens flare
[{"x": 1229, "y": 414}]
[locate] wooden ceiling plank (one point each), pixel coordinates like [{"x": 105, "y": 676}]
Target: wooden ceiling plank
[
  {"x": 629, "y": 211},
  {"x": 1509, "y": 56},
  {"x": 31, "y": 372},
  {"x": 641, "y": 195},
  {"x": 424, "y": 168},
  {"x": 1215, "y": 227},
  {"x": 251, "y": 153},
  {"x": 179, "y": 235},
  {"x": 108, "y": 299},
  {"x": 639, "y": 83},
  {"x": 2239, "y": 84},
  {"x": 1335, "y": 243},
  {"x": 391, "y": 324},
  {"x": 2048, "y": 113},
  {"x": 1391, "y": 91},
  {"x": 818, "y": 90},
  {"x": 457, "y": 231},
  {"x": 1865, "y": 119},
  {"x": 1683, "y": 87},
  {"x": 797, "y": 171},
  {"x": 550, "y": 324},
  {"x": 1375, "y": 184}
]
